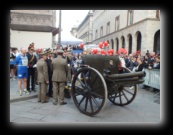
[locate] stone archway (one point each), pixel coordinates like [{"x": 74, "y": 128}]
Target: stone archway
[
  {"x": 156, "y": 47},
  {"x": 139, "y": 40}
]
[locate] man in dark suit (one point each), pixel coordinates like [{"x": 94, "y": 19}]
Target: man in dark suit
[
  {"x": 59, "y": 77},
  {"x": 32, "y": 60}
]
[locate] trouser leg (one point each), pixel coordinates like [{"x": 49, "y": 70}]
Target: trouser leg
[
  {"x": 39, "y": 92},
  {"x": 55, "y": 91},
  {"x": 61, "y": 87},
  {"x": 33, "y": 79},
  {"x": 43, "y": 92},
  {"x": 50, "y": 86},
  {"x": 28, "y": 79}
]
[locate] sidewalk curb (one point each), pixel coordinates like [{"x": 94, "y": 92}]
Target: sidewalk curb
[{"x": 23, "y": 98}]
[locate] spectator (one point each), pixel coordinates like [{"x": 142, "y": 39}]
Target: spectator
[
  {"x": 12, "y": 62},
  {"x": 140, "y": 65},
  {"x": 74, "y": 66},
  {"x": 22, "y": 63},
  {"x": 157, "y": 63},
  {"x": 80, "y": 61},
  {"x": 32, "y": 60},
  {"x": 131, "y": 62}
]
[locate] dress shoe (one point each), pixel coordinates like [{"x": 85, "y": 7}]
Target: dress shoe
[
  {"x": 67, "y": 96},
  {"x": 63, "y": 103},
  {"x": 50, "y": 96},
  {"x": 33, "y": 90},
  {"x": 55, "y": 103},
  {"x": 44, "y": 101}
]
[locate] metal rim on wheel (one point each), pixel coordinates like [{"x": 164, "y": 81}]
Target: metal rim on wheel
[
  {"x": 124, "y": 94},
  {"x": 89, "y": 91}
]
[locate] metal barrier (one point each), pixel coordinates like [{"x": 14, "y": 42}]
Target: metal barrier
[{"x": 152, "y": 78}]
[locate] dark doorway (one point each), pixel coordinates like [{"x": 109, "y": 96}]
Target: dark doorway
[
  {"x": 130, "y": 44},
  {"x": 139, "y": 39},
  {"x": 123, "y": 41},
  {"x": 117, "y": 43},
  {"x": 156, "y": 48},
  {"x": 112, "y": 42}
]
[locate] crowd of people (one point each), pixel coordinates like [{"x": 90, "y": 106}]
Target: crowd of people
[
  {"x": 136, "y": 62},
  {"x": 51, "y": 70}
]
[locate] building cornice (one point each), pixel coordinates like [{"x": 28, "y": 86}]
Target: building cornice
[{"x": 34, "y": 28}]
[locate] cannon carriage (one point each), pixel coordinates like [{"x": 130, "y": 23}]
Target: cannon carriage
[{"x": 99, "y": 79}]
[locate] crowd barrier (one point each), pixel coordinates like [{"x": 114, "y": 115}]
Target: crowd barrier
[{"x": 152, "y": 78}]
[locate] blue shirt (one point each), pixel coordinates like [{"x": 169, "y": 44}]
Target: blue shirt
[{"x": 22, "y": 62}]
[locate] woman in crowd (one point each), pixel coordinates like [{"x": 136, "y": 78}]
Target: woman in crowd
[{"x": 140, "y": 65}]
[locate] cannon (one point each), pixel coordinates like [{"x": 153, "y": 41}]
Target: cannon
[{"x": 98, "y": 79}]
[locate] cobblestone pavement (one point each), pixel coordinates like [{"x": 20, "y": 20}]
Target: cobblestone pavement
[{"x": 144, "y": 109}]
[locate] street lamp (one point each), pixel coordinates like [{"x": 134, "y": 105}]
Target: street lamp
[
  {"x": 59, "y": 37},
  {"x": 52, "y": 27}
]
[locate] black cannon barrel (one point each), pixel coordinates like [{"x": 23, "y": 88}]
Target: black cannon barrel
[{"x": 126, "y": 75}]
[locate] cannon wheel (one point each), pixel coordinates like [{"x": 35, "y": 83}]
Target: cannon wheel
[
  {"x": 89, "y": 91},
  {"x": 125, "y": 94}
]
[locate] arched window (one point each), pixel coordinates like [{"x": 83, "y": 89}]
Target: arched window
[
  {"x": 117, "y": 44},
  {"x": 130, "y": 17},
  {"x": 130, "y": 44},
  {"x": 156, "y": 47},
  {"x": 123, "y": 41},
  {"x": 139, "y": 40}
]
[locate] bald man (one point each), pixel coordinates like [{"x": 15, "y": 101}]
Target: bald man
[{"x": 22, "y": 63}]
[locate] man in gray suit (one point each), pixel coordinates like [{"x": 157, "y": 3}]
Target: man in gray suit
[
  {"x": 59, "y": 77},
  {"x": 43, "y": 80}
]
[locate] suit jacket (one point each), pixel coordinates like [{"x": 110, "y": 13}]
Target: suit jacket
[
  {"x": 42, "y": 71},
  {"x": 59, "y": 68},
  {"x": 140, "y": 68},
  {"x": 49, "y": 64},
  {"x": 33, "y": 62}
]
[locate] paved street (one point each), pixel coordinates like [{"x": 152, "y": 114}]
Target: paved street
[{"x": 145, "y": 108}]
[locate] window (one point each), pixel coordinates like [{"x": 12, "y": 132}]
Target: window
[
  {"x": 117, "y": 23},
  {"x": 130, "y": 17},
  {"x": 108, "y": 28},
  {"x": 158, "y": 14},
  {"x": 101, "y": 31},
  {"x": 96, "y": 34}
]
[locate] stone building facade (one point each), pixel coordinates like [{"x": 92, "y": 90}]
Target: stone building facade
[
  {"x": 133, "y": 29},
  {"x": 85, "y": 29},
  {"x": 27, "y": 26}
]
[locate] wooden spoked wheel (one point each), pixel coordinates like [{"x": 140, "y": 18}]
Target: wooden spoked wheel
[
  {"x": 89, "y": 91},
  {"x": 122, "y": 94}
]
